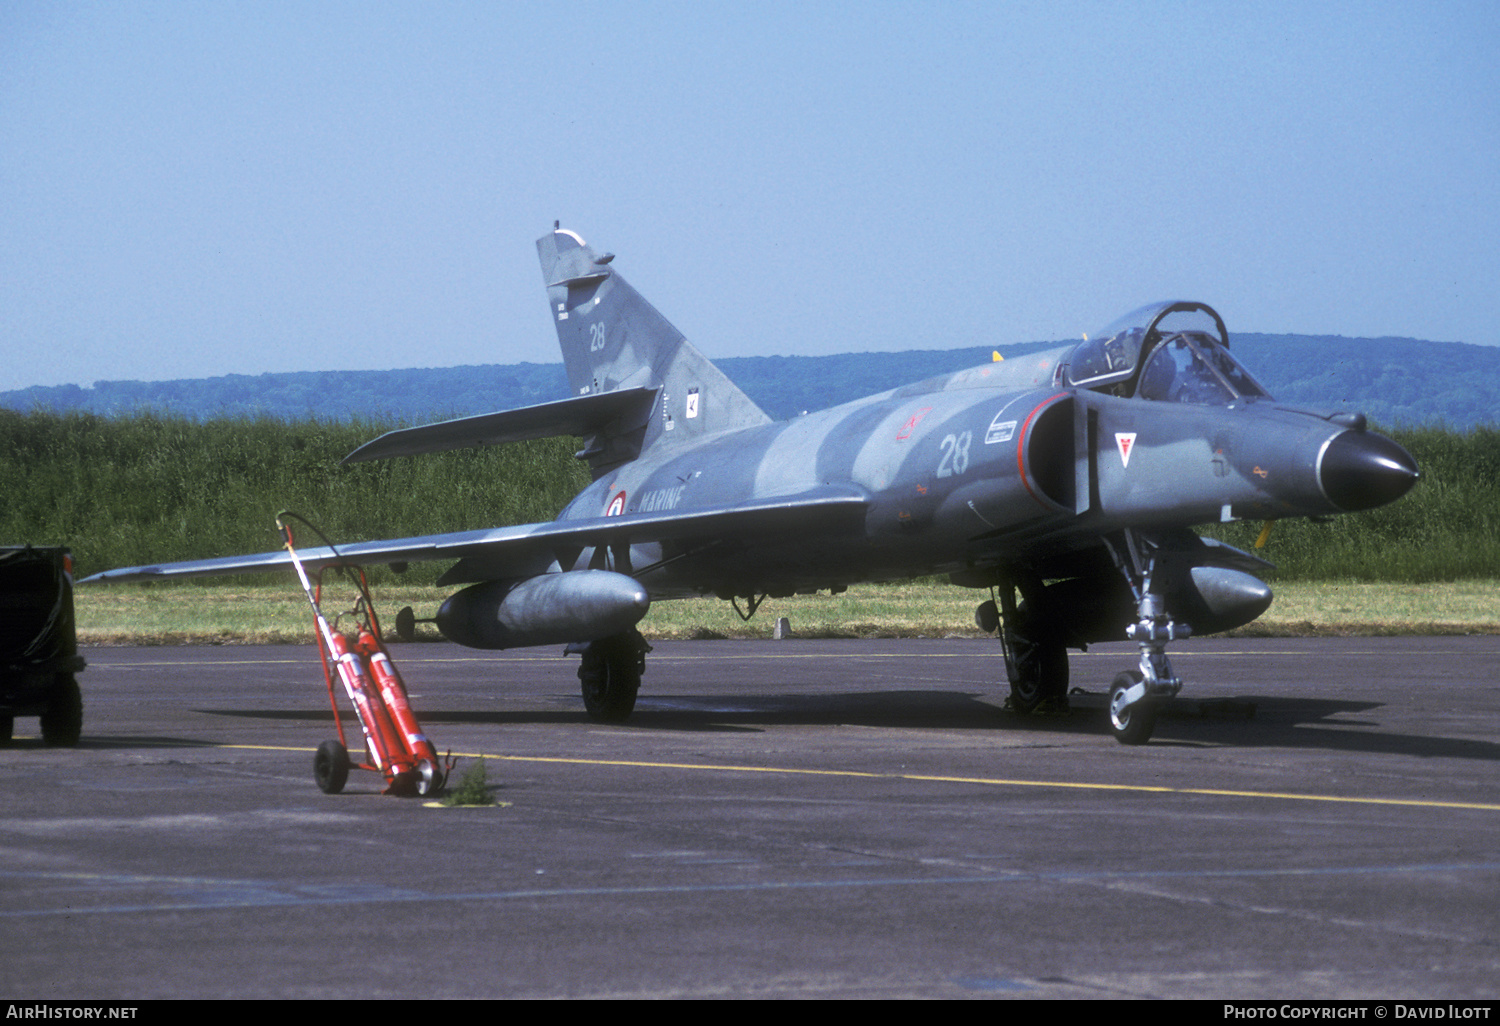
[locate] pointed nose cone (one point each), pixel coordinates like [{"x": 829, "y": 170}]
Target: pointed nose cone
[{"x": 1361, "y": 471}]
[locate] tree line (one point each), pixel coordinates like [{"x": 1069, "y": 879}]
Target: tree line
[{"x": 1393, "y": 380}]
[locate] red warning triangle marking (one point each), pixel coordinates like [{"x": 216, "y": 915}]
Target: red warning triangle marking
[{"x": 1126, "y": 442}]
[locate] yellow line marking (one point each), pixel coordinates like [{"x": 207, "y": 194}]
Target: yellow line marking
[{"x": 938, "y": 779}]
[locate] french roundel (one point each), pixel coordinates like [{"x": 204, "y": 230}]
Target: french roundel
[{"x": 616, "y": 505}]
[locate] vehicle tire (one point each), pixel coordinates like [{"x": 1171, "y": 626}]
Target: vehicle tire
[
  {"x": 1131, "y": 724},
  {"x": 1041, "y": 663},
  {"x": 610, "y": 678},
  {"x": 331, "y": 767},
  {"x": 62, "y": 723},
  {"x": 7, "y": 729}
]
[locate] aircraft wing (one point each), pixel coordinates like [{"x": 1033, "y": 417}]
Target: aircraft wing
[{"x": 523, "y": 544}]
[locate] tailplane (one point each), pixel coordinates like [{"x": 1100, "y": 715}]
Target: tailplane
[{"x": 612, "y": 339}]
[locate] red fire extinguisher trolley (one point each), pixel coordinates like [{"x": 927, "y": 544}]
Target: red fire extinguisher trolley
[{"x": 394, "y": 741}]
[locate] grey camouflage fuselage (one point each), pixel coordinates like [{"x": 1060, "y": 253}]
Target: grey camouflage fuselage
[{"x": 1002, "y": 466}]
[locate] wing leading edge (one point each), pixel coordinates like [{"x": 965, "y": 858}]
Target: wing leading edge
[{"x": 523, "y": 545}]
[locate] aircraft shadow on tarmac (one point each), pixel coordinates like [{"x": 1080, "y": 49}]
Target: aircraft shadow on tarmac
[
  {"x": 111, "y": 742},
  {"x": 1281, "y": 722},
  {"x": 1248, "y": 721}
]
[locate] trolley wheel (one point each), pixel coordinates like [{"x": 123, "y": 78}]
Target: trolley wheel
[
  {"x": 62, "y": 723},
  {"x": 331, "y": 767},
  {"x": 429, "y": 778},
  {"x": 403, "y": 784}
]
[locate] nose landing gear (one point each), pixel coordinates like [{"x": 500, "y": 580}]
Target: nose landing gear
[{"x": 1135, "y": 694}]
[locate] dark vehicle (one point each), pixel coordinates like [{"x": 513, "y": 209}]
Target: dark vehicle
[{"x": 39, "y": 643}]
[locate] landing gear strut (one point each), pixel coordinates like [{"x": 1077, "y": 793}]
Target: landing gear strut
[
  {"x": 610, "y": 675},
  {"x": 1136, "y": 694}
]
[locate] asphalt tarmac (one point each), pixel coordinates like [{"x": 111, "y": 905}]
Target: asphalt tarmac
[{"x": 1314, "y": 819}]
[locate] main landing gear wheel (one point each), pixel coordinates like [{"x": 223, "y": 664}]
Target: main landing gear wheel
[
  {"x": 610, "y": 675},
  {"x": 331, "y": 767},
  {"x": 1041, "y": 670},
  {"x": 1131, "y": 721}
]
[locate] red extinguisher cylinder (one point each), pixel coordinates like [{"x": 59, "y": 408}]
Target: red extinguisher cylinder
[
  {"x": 383, "y": 741},
  {"x": 393, "y": 692}
]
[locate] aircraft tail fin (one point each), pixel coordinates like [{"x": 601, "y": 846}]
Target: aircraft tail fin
[{"x": 613, "y": 339}]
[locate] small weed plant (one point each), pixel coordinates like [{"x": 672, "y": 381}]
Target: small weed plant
[{"x": 472, "y": 789}]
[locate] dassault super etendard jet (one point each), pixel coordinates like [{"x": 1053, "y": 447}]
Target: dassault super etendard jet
[{"x": 1065, "y": 482}]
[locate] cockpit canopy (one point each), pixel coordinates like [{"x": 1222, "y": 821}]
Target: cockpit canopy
[{"x": 1171, "y": 352}]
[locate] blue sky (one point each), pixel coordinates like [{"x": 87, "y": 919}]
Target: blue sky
[{"x": 192, "y": 189}]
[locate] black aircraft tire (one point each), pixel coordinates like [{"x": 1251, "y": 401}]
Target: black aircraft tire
[
  {"x": 406, "y": 624},
  {"x": 1133, "y": 724},
  {"x": 7, "y": 728},
  {"x": 62, "y": 723},
  {"x": 331, "y": 767},
  {"x": 1041, "y": 667},
  {"x": 610, "y": 678}
]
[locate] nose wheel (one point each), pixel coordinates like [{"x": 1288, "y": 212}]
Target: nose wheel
[{"x": 1132, "y": 712}]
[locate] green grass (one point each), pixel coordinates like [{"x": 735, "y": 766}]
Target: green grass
[
  {"x": 227, "y": 613},
  {"x": 278, "y": 613}
]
